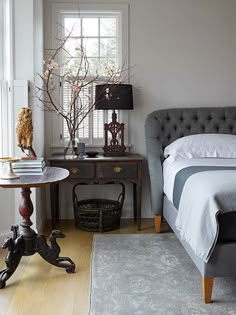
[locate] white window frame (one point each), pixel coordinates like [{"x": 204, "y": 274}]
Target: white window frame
[
  {"x": 2, "y": 82},
  {"x": 4, "y": 143},
  {"x": 6, "y": 75},
  {"x": 60, "y": 9},
  {"x": 2, "y": 37}
]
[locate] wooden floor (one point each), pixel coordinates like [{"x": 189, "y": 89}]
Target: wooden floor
[{"x": 39, "y": 288}]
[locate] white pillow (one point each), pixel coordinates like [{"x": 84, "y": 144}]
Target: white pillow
[{"x": 202, "y": 146}]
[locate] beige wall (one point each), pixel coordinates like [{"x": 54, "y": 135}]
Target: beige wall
[{"x": 184, "y": 54}]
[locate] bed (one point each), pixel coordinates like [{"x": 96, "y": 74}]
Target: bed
[{"x": 164, "y": 127}]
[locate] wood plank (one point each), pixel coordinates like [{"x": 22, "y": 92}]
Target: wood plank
[{"x": 41, "y": 289}]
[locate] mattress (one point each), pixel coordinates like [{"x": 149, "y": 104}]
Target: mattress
[{"x": 227, "y": 221}]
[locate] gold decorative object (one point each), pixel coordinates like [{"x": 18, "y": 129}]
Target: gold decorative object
[
  {"x": 117, "y": 169},
  {"x": 9, "y": 172},
  {"x": 24, "y": 130},
  {"x": 74, "y": 170}
]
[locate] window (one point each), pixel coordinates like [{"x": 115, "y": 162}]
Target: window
[
  {"x": 5, "y": 45},
  {"x": 1, "y": 76},
  {"x": 1, "y": 41},
  {"x": 1, "y": 120},
  {"x": 101, "y": 31}
]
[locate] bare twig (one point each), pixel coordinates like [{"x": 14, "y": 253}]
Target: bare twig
[{"x": 76, "y": 79}]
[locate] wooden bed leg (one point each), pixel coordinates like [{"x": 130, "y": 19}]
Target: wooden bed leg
[
  {"x": 207, "y": 285},
  {"x": 157, "y": 221}
]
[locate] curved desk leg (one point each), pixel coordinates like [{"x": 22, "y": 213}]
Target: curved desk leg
[{"x": 137, "y": 201}]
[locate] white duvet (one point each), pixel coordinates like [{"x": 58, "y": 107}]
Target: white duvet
[
  {"x": 171, "y": 169},
  {"x": 204, "y": 195}
]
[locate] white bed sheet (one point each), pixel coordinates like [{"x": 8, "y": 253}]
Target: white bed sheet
[{"x": 171, "y": 169}]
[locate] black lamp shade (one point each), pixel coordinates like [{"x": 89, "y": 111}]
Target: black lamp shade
[{"x": 114, "y": 96}]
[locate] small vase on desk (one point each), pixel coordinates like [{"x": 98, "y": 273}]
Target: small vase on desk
[{"x": 81, "y": 150}]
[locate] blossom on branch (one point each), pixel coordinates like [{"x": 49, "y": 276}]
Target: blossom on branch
[{"x": 74, "y": 73}]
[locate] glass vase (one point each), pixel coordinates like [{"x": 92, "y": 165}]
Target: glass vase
[{"x": 70, "y": 147}]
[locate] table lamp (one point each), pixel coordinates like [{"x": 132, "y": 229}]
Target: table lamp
[{"x": 112, "y": 97}]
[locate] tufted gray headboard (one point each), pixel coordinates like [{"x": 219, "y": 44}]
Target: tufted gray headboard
[{"x": 164, "y": 126}]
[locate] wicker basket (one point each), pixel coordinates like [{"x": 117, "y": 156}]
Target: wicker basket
[{"x": 98, "y": 215}]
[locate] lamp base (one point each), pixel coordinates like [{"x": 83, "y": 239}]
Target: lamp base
[{"x": 116, "y": 145}]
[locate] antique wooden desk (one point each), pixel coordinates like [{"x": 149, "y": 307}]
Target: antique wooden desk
[
  {"x": 100, "y": 170},
  {"x": 26, "y": 241}
]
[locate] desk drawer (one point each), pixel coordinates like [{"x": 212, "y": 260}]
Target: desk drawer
[
  {"x": 79, "y": 170},
  {"x": 117, "y": 170}
]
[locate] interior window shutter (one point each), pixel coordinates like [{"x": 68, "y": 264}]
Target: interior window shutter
[
  {"x": 84, "y": 101},
  {"x": 66, "y": 96}
]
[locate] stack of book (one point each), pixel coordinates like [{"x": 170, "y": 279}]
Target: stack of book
[{"x": 27, "y": 166}]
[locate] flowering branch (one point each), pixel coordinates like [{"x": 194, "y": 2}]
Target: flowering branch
[{"x": 76, "y": 80}]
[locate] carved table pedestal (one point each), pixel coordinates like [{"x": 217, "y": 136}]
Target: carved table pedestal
[{"x": 25, "y": 241}]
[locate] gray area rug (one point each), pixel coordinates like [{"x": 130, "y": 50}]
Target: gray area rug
[{"x": 151, "y": 274}]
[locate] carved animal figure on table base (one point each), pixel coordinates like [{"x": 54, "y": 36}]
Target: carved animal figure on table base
[
  {"x": 51, "y": 253},
  {"x": 12, "y": 260}
]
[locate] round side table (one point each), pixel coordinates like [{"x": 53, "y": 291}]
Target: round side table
[{"x": 25, "y": 241}]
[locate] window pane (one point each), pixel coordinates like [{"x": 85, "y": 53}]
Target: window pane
[
  {"x": 108, "y": 26},
  {"x": 71, "y": 46},
  {"x": 93, "y": 66},
  {"x": 72, "y": 25},
  {"x": 106, "y": 64},
  {"x": 91, "y": 47},
  {"x": 83, "y": 65},
  {"x": 71, "y": 66},
  {"x": 90, "y": 27},
  {"x": 1, "y": 102},
  {"x": 108, "y": 47}
]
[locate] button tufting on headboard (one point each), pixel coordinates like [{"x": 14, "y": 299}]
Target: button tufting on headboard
[
  {"x": 173, "y": 123},
  {"x": 160, "y": 130}
]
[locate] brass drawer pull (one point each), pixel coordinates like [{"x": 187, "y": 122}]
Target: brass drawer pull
[
  {"x": 74, "y": 171},
  {"x": 117, "y": 169}
]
